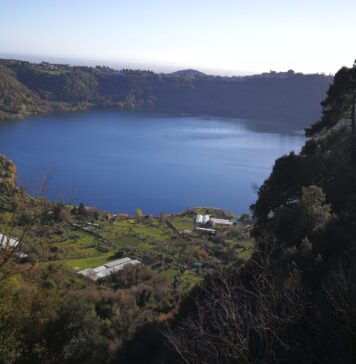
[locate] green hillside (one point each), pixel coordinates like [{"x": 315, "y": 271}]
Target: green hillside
[{"x": 288, "y": 97}]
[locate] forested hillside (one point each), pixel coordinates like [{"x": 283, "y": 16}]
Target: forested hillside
[
  {"x": 295, "y": 300},
  {"x": 27, "y": 88}
]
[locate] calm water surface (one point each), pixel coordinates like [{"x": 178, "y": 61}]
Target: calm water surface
[{"x": 119, "y": 161}]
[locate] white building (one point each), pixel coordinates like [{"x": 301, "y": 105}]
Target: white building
[
  {"x": 221, "y": 222},
  {"x": 6, "y": 242},
  {"x": 205, "y": 230},
  {"x": 105, "y": 270},
  {"x": 202, "y": 219}
]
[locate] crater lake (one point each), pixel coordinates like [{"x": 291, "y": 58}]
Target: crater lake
[{"x": 163, "y": 164}]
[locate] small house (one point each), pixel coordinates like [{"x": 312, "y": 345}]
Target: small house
[
  {"x": 6, "y": 242},
  {"x": 202, "y": 219},
  {"x": 221, "y": 222}
]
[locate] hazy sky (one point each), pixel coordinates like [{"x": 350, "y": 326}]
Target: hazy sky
[{"x": 226, "y": 35}]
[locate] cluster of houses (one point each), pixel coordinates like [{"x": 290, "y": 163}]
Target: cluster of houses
[
  {"x": 53, "y": 66},
  {"x": 211, "y": 221},
  {"x": 109, "y": 268},
  {"x": 206, "y": 219}
]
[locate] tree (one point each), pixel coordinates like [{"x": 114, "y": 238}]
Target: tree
[
  {"x": 81, "y": 209},
  {"x": 138, "y": 213},
  {"x": 315, "y": 212},
  {"x": 339, "y": 104},
  {"x": 28, "y": 213},
  {"x": 162, "y": 218},
  {"x": 239, "y": 318},
  {"x": 244, "y": 218}
]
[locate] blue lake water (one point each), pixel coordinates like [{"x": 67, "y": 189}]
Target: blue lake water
[{"x": 119, "y": 161}]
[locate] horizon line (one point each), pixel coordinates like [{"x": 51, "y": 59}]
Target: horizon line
[{"x": 143, "y": 66}]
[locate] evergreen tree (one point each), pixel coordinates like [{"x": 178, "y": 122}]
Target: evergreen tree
[
  {"x": 81, "y": 209},
  {"x": 339, "y": 104}
]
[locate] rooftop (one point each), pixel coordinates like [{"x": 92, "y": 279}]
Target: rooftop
[{"x": 105, "y": 270}]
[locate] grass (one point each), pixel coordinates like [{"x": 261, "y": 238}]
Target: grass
[
  {"x": 191, "y": 278},
  {"x": 71, "y": 251},
  {"x": 88, "y": 262},
  {"x": 182, "y": 222},
  {"x": 247, "y": 244},
  {"x": 133, "y": 242},
  {"x": 75, "y": 244},
  {"x": 245, "y": 249},
  {"x": 169, "y": 273},
  {"x": 131, "y": 227},
  {"x": 84, "y": 238},
  {"x": 245, "y": 254}
]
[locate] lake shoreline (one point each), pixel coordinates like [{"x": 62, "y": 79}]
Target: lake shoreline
[{"x": 64, "y": 108}]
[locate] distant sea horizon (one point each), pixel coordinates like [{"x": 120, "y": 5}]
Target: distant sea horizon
[{"x": 130, "y": 64}]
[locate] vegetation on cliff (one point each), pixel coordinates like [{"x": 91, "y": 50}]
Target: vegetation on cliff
[
  {"x": 28, "y": 88},
  {"x": 295, "y": 300}
]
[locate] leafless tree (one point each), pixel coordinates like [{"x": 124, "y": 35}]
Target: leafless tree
[
  {"x": 335, "y": 325},
  {"x": 239, "y": 319}
]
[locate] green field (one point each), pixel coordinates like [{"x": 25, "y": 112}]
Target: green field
[
  {"x": 79, "y": 264},
  {"x": 157, "y": 243}
]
